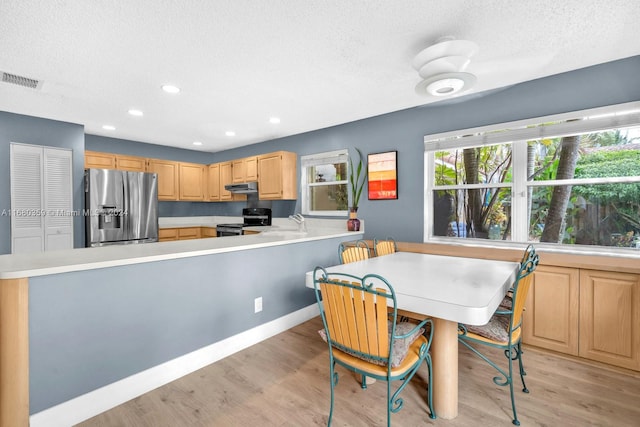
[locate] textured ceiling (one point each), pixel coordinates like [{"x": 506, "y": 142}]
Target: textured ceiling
[{"x": 313, "y": 64}]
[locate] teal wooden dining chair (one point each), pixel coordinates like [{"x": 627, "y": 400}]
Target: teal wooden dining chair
[
  {"x": 504, "y": 330},
  {"x": 353, "y": 252},
  {"x": 507, "y": 301},
  {"x": 384, "y": 247},
  {"x": 363, "y": 338}
]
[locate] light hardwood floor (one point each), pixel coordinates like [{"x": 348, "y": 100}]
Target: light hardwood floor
[{"x": 283, "y": 381}]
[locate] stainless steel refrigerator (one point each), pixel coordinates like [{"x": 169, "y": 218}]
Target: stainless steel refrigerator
[{"x": 121, "y": 207}]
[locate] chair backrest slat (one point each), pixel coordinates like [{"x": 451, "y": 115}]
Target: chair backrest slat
[
  {"x": 361, "y": 319},
  {"x": 350, "y": 300},
  {"x": 383, "y": 325}
]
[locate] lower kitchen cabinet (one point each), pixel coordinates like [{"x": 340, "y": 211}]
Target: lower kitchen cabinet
[
  {"x": 208, "y": 232},
  {"x": 167, "y": 234},
  {"x": 610, "y": 317},
  {"x": 551, "y": 315},
  {"x": 185, "y": 233},
  {"x": 592, "y": 314}
]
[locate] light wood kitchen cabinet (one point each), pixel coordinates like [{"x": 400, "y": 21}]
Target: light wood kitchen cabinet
[
  {"x": 188, "y": 233},
  {"x": 593, "y": 314},
  {"x": 277, "y": 176},
  {"x": 213, "y": 182},
  {"x": 226, "y": 177},
  {"x": 167, "y": 178},
  {"x": 251, "y": 168},
  {"x": 96, "y": 160},
  {"x": 192, "y": 181},
  {"x": 610, "y": 317},
  {"x": 185, "y": 233},
  {"x": 167, "y": 234},
  {"x": 131, "y": 163},
  {"x": 551, "y": 315},
  {"x": 245, "y": 170},
  {"x": 208, "y": 232}
]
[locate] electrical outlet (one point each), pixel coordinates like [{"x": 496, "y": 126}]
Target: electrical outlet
[{"x": 257, "y": 305}]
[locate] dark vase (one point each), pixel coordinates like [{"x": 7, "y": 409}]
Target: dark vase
[{"x": 353, "y": 223}]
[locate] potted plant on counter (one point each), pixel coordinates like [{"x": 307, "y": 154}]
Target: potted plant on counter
[{"x": 357, "y": 177}]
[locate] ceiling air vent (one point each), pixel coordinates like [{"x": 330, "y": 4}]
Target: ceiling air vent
[{"x": 20, "y": 80}]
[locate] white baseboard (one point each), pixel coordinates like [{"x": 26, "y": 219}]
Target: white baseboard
[{"x": 100, "y": 400}]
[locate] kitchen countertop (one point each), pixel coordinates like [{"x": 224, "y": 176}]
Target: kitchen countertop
[
  {"x": 200, "y": 221},
  {"x": 283, "y": 232}
]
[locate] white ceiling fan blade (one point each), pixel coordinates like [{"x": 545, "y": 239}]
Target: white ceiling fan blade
[{"x": 444, "y": 48}]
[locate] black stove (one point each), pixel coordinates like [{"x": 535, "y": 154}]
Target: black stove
[{"x": 252, "y": 217}]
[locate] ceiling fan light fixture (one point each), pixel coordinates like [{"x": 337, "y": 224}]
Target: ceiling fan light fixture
[
  {"x": 446, "y": 84},
  {"x": 445, "y": 87}
]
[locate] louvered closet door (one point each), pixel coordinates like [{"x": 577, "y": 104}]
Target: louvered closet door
[
  {"x": 27, "y": 223},
  {"x": 41, "y": 198},
  {"x": 58, "y": 199}
]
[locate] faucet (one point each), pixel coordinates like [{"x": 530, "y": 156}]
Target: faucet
[{"x": 299, "y": 219}]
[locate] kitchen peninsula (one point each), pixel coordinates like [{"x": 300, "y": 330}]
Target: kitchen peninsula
[{"x": 86, "y": 329}]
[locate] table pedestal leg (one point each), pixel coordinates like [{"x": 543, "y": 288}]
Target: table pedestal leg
[{"x": 445, "y": 368}]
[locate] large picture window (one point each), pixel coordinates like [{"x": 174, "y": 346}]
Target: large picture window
[{"x": 570, "y": 180}]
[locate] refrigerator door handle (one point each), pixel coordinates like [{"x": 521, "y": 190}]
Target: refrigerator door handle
[{"x": 126, "y": 221}]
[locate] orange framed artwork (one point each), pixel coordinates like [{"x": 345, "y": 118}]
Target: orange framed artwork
[{"x": 383, "y": 175}]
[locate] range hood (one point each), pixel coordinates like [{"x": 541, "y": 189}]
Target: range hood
[{"x": 244, "y": 188}]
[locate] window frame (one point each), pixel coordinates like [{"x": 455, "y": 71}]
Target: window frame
[
  {"x": 517, "y": 133},
  {"x": 316, "y": 159}
]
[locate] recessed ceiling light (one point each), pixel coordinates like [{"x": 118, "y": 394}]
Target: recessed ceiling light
[
  {"x": 230, "y": 133},
  {"x": 108, "y": 127},
  {"x": 170, "y": 89},
  {"x": 136, "y": 112},
  {"x": 197, "y": 143},
  {"x": 274, "y": 120}
]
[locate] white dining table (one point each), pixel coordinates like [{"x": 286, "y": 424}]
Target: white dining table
[{"x": 448, "y": 289}]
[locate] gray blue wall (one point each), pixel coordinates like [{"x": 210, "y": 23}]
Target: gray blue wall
[
  {"x": 88, "y": 329},
  {"x": 605, "y": 84}
]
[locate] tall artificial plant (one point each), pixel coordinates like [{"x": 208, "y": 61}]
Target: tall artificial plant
[{"x": 357, "y": 176}]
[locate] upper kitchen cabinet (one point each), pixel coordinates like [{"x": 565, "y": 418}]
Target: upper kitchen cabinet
[
  {"x": 226, "y": 177},
  {"x": 96, "y": 160},
  {"x": 245, "y": 170},
  {"x": 167, "y": 178},
  {"x": 213, "y": 183},
  {"x": 277, "y": 176},
  {"x": 131, "y": 163},
  {"x": 193, "y": 182}
]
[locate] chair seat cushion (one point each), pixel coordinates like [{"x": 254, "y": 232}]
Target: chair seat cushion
[
  {"x": 400, "y": 345},
  {"x": 496, "y": 330},
  {"x": 507, "y": 303},
  {"x": 412, "y": 357}
]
